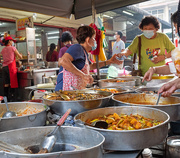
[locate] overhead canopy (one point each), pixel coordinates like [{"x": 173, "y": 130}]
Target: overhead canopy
[{"x": 64, "y": 8}]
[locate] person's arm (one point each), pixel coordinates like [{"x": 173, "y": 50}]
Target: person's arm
[
  {"x": 113, "y": 60},
  {"x": 126, "y": 52},
  {"x": 66, "y": 63},
  {"x": 17, "y": 54},
  {"x": 163, "y": 70},
  {"x": 133, "y": 48}
]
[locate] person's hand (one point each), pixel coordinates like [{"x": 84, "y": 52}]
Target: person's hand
[
  {"x": 114, "y": 60},
  {"x": 148, "y": 75},
  {"x": 88, "y": 79},
  {"x": 168, "y": 88},
  {"x": 119, "y": 55},
  {"x": 157, "y": 59}
]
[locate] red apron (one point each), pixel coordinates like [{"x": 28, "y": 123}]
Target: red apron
[
  {"x": 70, "y": 79},
  {"x": 13, "y": 74}
]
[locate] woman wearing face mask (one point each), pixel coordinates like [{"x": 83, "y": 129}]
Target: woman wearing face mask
[
  {"x": 153, "y": 45},
  {"x": 75, "y": 64},
  {"x": 168, "y": 88}
]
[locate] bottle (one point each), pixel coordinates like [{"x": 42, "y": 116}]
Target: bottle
[{"x": 147, "y": 153}]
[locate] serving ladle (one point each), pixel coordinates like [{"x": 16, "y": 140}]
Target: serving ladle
[
  {"x": 9, "y": 113},
  {"x": 97, "y": 124},
  {"x": 49, "y": 141},
  {"x": 158, "y": 98}
]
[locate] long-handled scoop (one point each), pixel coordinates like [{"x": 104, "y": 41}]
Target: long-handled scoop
[
  {"x": 50, "y": 139},
  {"x": 97, "y": 124},
  {"x": 9, "y": 113},
  {"x": 158, "y": 98}
]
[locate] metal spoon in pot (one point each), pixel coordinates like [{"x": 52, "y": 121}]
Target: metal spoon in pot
[
  {"x": 9, "y": 113},
  {"x": 158, "y": 98},
  {"x": 49, "y": 141}
]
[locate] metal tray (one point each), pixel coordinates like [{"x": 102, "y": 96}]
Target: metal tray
[
  {"x": 121, "y": 90},
  {"x": 106, "y": 83}
]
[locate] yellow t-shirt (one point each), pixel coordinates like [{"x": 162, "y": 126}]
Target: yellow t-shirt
[{"x": 150, "y": 48}]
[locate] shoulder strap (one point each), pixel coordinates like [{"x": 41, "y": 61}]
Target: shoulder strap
[
  {"x": 139, "y": 53},
  {"x": 139, "y": 45},
  {"x": 67, "y": 46}
]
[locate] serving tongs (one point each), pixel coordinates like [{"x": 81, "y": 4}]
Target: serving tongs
[{"x": 12, "y": 148}]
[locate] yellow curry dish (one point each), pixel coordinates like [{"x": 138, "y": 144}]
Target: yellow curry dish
[{"x": 126, "y": 122}]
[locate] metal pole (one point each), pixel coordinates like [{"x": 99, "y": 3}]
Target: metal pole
[
  {"x": 172, "y": 27},
  {"x": 94, "y": 19}
]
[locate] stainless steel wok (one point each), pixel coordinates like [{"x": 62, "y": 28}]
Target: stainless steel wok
[
  {"x": 170, "y": 104},
  {"x": 38, "y": 119},
  {"x": 111, "y": 83},
  {"x": 126, "y": 140},
  {"x": 60, "y": 107},
  {"x": 79, "y": 142}
]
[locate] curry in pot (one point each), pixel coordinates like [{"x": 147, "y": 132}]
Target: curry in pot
[{"x": 126, "y": 122}]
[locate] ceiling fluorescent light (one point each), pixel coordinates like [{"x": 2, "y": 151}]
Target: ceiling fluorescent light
[
  {"x": 125, "y": 12},
  {"x": 53, "y": 37},
  {"x": 108, "y": 16},
  {"x": 50, "y": 33}
]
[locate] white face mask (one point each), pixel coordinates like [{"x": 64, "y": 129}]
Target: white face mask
[
  {"x": 148, "y": 33},
  {"x": 115, "y": 37}
]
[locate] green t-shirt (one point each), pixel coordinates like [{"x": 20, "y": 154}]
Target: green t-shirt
[{"x": 150, "y": 48}]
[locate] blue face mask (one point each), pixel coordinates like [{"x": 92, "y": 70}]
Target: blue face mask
[
  {"x": 148, "y": 33},
  {"x": 95, "y": 46}
]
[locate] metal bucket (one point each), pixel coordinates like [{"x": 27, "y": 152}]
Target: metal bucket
[
  {"x": 38, "y": 119},
  {"x": 170, "y": 104},
  {"x": 127, "y": 140},
  {"x": 60, "y": 107},
  {"x": 83, "y": 143}
]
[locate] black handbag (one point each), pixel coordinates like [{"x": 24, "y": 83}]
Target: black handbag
[{"x": 137, "y": 72}]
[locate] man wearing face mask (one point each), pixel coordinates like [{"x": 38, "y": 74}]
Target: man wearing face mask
[
  {"x": 75, "y": 64},
  {"x": 119, "y": 45},
  {"x": 153, "y": 45}
]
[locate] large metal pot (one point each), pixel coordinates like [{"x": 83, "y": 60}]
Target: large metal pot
[
  {"x": 170, "y": 104},
  {"x": 38, "y": 119},
  {"x": 111, "y": 83},
  {"x": 60, "y": 107},
  {"x": 88, "y": 142},
  {"x": 126, "y": 140}
]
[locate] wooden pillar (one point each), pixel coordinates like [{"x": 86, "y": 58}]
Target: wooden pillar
[{"x": 94, "y": 19}]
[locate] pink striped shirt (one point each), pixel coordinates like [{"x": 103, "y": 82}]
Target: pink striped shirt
[{"x": 8, "y": 55}]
